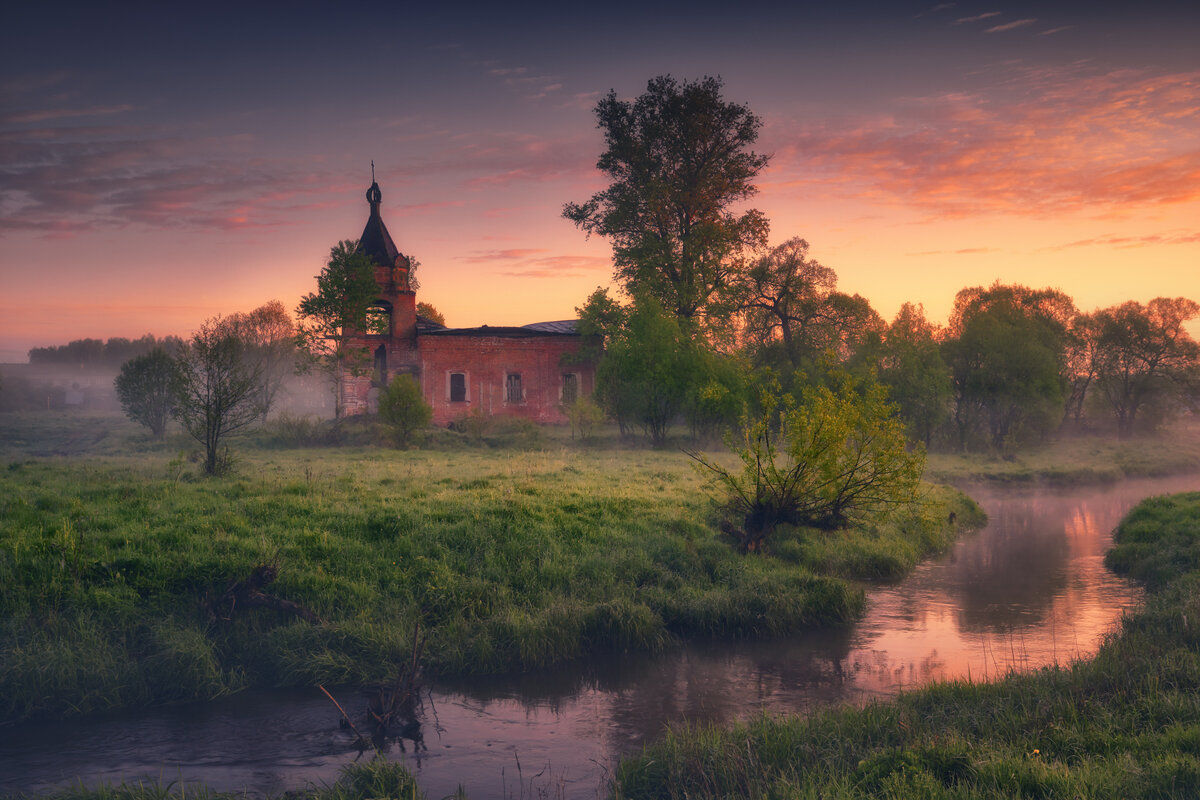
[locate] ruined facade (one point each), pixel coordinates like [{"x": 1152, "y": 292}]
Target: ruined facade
[{"x": 531, "y": 371}]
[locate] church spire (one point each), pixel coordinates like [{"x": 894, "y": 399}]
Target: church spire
[
  {"x": 376, "y": 243},
  {"x": 374, "y": 196}
]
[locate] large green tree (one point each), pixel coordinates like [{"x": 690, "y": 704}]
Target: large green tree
[
  {"x": 1006, "y": 352},
  {"x": 679, "y": 163},
  {"x": 1144, "y": 355},
  {"x": 649, "y": 365},
  {"x": 336, "y": 314},
  {"x": 794, "y": 316},
  {"x": 912, "y": 368}
]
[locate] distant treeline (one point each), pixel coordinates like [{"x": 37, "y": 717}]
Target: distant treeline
[{"x": 100, "y": 353}]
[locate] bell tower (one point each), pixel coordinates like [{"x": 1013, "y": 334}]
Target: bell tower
[
  {"x": 391, "y": 338},
  {"x": 391, "y": 272}
]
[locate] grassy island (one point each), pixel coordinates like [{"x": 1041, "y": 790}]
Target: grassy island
[{"x": 129, "y": 579}]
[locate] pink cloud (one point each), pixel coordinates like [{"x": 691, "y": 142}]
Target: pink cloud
[
  {"x": 966, "y": 251},
  {"x": 1069, "y": 141},
  {"x": 977, "y": 17},
  {"x": 71, "y": 180},
  {"x": 487, "y": 256},
  {"x": 1132, "y": 241},
  {"x": 1011, "y": 26},
  {"x": 528, "y": 263},
  {"x": 413, "y": 209}
]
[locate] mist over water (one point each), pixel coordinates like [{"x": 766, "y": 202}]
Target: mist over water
[{"x": 1027, "y": 591}]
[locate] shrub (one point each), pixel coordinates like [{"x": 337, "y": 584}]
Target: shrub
[
  {"x": 297, "y": 430},
  {"x": 403, "y": 410},
  {"x": 475, "y": 424},
  {"x": 834, "y": 459},
  {"x": 585, "y": 417}
]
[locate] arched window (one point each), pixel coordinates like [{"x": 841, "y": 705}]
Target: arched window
[{"x": 379, "y": 318}]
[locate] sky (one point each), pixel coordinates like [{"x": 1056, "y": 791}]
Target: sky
[{"x": 163, "y": 163}]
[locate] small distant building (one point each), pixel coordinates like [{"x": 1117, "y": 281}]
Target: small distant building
[{"x": 531, "y": 371}]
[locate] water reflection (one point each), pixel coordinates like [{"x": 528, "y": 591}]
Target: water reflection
[{"x": 1027, "y": 591}]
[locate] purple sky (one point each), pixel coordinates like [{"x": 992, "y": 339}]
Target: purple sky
[{"x": 159, "y": 166}]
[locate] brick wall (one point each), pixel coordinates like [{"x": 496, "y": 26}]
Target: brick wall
[{"x": 486, "y": 364}]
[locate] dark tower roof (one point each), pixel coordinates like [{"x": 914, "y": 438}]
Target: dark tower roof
[{"x": 376, "y": 243}]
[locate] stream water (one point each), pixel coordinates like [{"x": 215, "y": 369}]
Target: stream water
[{"x": 1028, "y": 590}]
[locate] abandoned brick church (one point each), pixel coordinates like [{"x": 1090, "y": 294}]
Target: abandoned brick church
[{"x": 532, "y": 371}]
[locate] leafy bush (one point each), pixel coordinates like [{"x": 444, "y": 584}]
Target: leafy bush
[
  {"x": 835, "y": 459},
  {"x": 403, "y": 410},
  {"x": 586, "y": 418}
]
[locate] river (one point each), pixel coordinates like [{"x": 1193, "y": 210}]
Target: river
[{"x": 1028, "y": 590}]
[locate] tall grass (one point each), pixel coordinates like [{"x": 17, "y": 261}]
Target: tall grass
[
  {"x": 117, "y": 569},
  {"x": 1124, "y": 724}
]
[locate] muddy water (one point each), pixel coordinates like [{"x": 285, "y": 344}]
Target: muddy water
[{"x": 1028, "y": 590}]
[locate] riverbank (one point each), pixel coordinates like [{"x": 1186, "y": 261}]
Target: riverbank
[
  {"x": 1123, "y": 724},
  {"x": 131, "y": 581},
  {"x": 374, "y": 779},
  {"x": 1075, "y": 461}
]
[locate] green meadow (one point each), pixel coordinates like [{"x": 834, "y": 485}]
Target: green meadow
[
  {"x": 523, "y": 548},
  {"x": 121, "y": 566},
  {"x": 1075, "y": 460}
]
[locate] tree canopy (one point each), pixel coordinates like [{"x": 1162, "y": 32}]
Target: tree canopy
[
  {"x": 336, "y": 313},
  {"x": 648, "y": 367},
  {"x": 270, "y": 337},
  {"x": 147, "y": 387},
  {"x": 679, "y": 160},
  {"x": 794, "y": 316},
  {"x": 1006, "y": 352},
  {"x": 912, "y": 368},
  {"x": 1143, "y": 353}
]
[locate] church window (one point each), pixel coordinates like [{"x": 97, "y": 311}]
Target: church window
[
  {"x": 570, "y": 388},
  {"x": 379, "y": 319},
  {"x": 513, "y": 391},
  {"x": 458, "y": 387}
]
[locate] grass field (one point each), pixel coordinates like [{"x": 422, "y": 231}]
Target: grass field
[
  {"x": 1076, "y": 460},
  {"x": 121, "y": 566},
  {"x": 538, "y": 550}
]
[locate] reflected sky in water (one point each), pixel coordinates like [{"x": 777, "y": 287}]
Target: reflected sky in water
[{"x": 1027, "y": 591}]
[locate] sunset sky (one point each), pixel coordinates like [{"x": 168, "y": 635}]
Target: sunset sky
[{"x": 159, "y": 166}]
